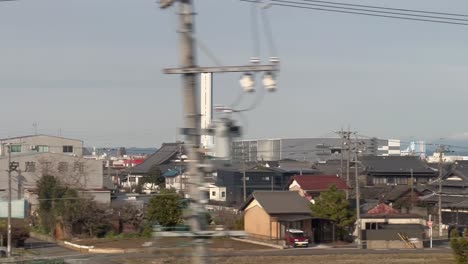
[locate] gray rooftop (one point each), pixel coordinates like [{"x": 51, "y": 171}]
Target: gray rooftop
[
  {"x": 166, "y": 153},
  {"x": 396, "y": 164}
]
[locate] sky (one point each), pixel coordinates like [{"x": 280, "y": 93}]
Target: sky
[{"x": 92, "y": 69}]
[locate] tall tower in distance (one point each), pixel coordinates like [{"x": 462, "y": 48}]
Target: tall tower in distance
[{"x": 206, "y": 96}]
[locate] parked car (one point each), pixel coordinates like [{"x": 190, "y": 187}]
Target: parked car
[{"x": 296, "y": 238}]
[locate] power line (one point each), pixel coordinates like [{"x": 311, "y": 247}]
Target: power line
[
  {"x": 370, "y": 10},
  {"x": 302, "y": 6},
  {"x": 389, "y": 8}
]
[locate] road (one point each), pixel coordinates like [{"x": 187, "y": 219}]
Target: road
[
  {"x": 43, "y": 249},
  {"x": 119, "y": 258}
]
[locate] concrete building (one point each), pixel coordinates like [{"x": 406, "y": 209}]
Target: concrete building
[
  {"x": 307, "y": 149},
  {"x": 41, "y": 143},
  {"x": 39, "y": 155},
  {"x": 85, "y": 175}
]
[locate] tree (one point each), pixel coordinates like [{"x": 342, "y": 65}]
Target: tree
[
  {"x": 333, "y": 205},
  {"x": 228, "y": 219},
  {"x": 459, "y": 245},
  {"x": 155, "y": 178},
  {"x": 49, "y": 189},
  {"x": 94, "y": 218},
  {"x": 165, "y": 208},
  {"x": 61, "y": 204},
  {"x": 130, "y": 214}
]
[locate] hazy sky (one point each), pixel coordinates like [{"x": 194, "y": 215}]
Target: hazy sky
[{"x": 92, "y": 70}]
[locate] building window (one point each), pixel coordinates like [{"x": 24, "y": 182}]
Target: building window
[
  {"x": 223, "y": 194},
  {"x": 422, "y": 180},
  {"x": 30, "y": 166},
  {"x": 378, "y": 180},
  {"x": 67, "y": 149},
  {"x": 265, "y": 178},
  {"x": 247, "y": 178},
  {"x": 401, "y": 180},
  {"x": 42, "y": 148},
  {"x": 132, "y": 179},
  {"x": 15, "y": 148},
  {"x": 213, "y": 193},
  {"x": 63, "y": 167}
]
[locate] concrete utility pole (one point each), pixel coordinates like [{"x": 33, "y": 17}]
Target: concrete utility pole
[
  {"x": 358, "y": 191},
  {"x": 9, "y": 202},
  {"x": 192, "y": 130},
  {"x": 441, "y": 150},
  {"x": 346, "y": 137},
  {"x": 192, "y": 121}
]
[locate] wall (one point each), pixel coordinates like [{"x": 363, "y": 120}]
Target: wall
[
  {"x": 257, "y": 221},
  {"x": 376, "y": 244},
  {"x": 74, "y": 171}
]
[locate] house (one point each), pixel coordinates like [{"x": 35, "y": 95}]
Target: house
[
  {"x": 385, "y": 227},
  {"x": 166, "y": 158},
  {"x": 454, "y": 193},
  {"x": 176, "y": 179},
  {"x": 311, "y": 186},
  {"x": 40, "y": 144},
  {"x": 268, "y": 214},
  {"x": 257, "y": 178},
  {"x": 396, "y": 170}
]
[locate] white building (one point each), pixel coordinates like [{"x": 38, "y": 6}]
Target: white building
[{"x": 217, "y": 193}]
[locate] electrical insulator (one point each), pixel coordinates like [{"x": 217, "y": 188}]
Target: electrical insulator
[{"x": 247, "y": 82}]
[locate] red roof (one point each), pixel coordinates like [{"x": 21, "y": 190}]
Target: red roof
[
  {"x": 383, "y": 209},
  {"x": 319, "y": 182}
]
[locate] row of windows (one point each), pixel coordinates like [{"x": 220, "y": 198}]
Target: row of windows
[
  {"x": 397, "y": 180},
  {"x": 62, "y": 167},
  {"x": 223, "y": 194},
  {"x": 41, "y": 148},
  {"x": 264, "y": 178}
]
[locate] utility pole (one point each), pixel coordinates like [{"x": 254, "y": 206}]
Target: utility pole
[
  {"x": 346, "y": 139},
  {"x": 192, "y": 121},
  {"x": 192, "y": 130},
  {"x": 9, "y": 202},
  {"x": 12, "y": 166},
  {"x": 441, "y": 150},
  {"x": 244, "y": 183},
  {"x": 412, "y": 189},
  {"x": 358, "y": 192}
]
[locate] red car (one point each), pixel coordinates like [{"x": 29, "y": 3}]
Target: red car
[{"x": 296, "y": 238}]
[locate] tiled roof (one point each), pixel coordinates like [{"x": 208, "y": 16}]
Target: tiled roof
[
  {"x": 396, "y": 164},
  {"x": 319, "y": 182},
  {"x": 167, "y": 152},
  {"x": 384, "y": 211},
  {"x": 280, "y": 202}
]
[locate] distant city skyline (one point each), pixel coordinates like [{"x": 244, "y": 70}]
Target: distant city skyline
[{"x": 92, "y": 70}]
